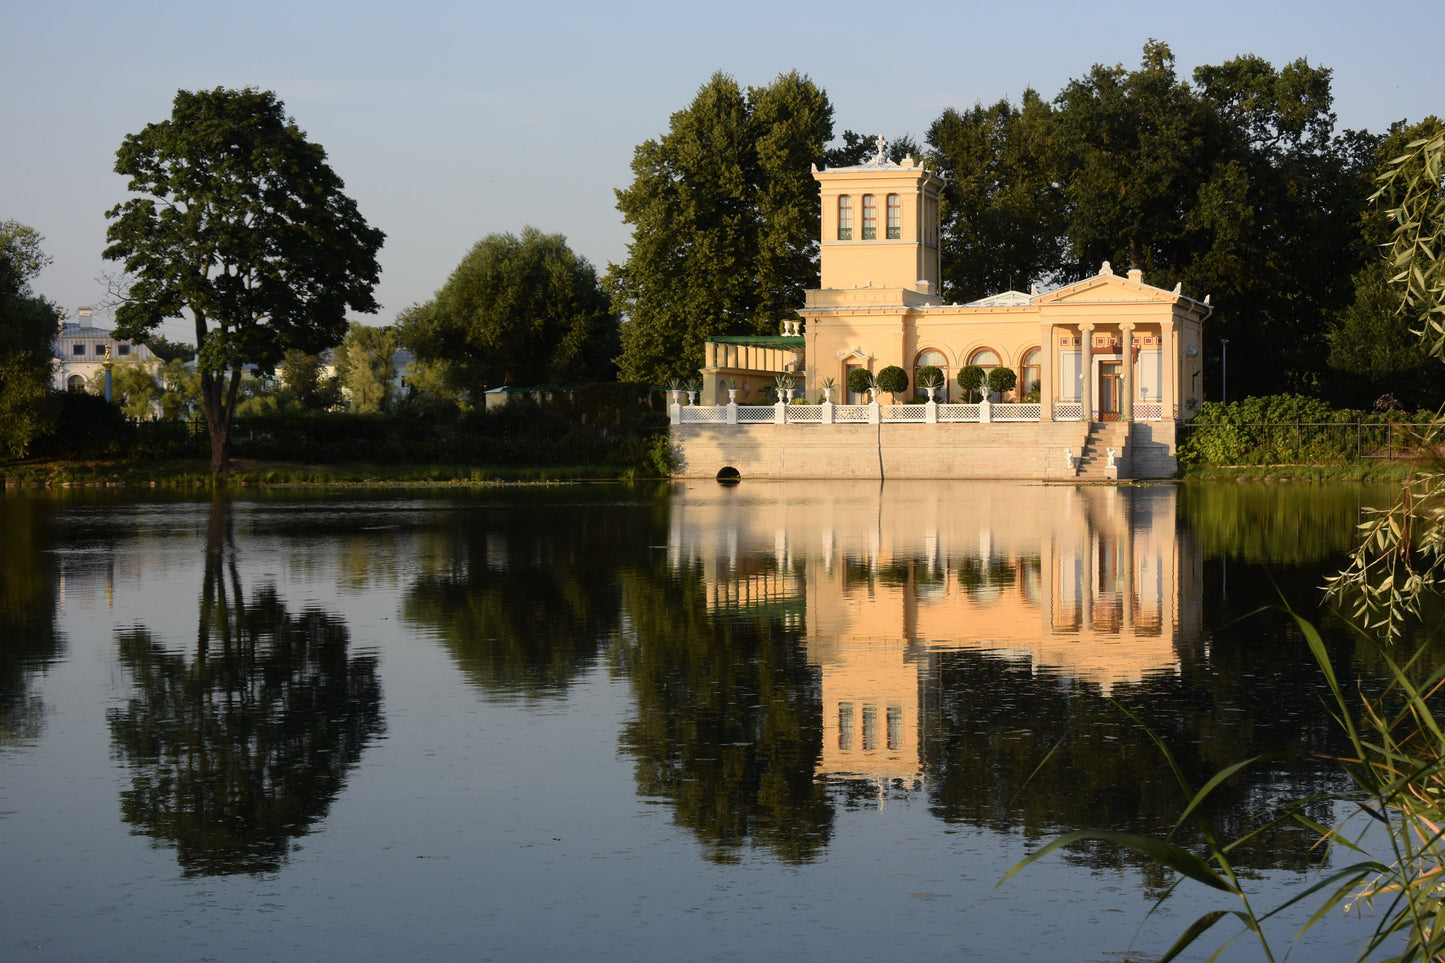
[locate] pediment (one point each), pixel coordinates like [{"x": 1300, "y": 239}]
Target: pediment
[{"x": 1107, "y": 287}]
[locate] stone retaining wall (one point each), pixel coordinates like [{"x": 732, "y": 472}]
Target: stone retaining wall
[{"x": 1025, "y": 450}]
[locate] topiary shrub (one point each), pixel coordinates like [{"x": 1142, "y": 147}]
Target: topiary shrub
[
  {"x": 1002, "y": 380},
  {"x": 860, "y": 380},
  {"x": 970, "y": 379},
  {"x": 893, "y": 380}
]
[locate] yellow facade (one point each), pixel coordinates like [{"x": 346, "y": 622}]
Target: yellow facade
[{"x": 1107, "y": 348}]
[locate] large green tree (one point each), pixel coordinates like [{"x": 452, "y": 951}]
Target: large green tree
[
  {"x": 1235, "y": 186},
  {"x": 517, "y": 310},
  {"x": 725, "y": 215},
  {"x": 1275, "y": 226},
  {"x": 239, "y": 222},
  {"x": 28, "y": 325},
  {"x": 1003, "y": 213}
]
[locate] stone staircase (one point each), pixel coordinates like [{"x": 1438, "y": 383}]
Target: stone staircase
[{"x": 1093, "y": 463}]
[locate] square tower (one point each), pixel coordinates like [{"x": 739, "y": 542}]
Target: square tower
[{"x": 880, "y": 225}]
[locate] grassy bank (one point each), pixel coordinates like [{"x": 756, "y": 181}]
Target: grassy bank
[{"x": 246, "y": 472}]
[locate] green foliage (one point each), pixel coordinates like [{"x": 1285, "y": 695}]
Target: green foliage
[
  {"x": 1289, "y": 430},
  {"x": 860, "y": 380},
  {"x": 518, "y": 310},
  {"x": 893, "y": 380},
  {"x": 1234, "y": 185},
  {"x": 1401, "y": 554},
  {"x": 301, "y": 375},
  {"x": 167, "y": 350},
  {"x": 239, "y": 221},
  {"x": 725, "y": 219},
  {"x": 1373, "y": 350},
  {"x": 971, "y": 378},
  {"x": 366, "y": 367},
  {"x": 27, "y": 326},
  {"x": 181, "y": 394},
  {"x": 1003, "y": 212},
  {"x": 1002, "y": 379},
  {"x": 1413, "y": 186},
  {"x": 663, "y": 456},
  {"x": 930, "y": 376},
  {"x": 135, "y": 387}
]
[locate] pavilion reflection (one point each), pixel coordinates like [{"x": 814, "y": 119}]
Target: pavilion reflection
[{"x": 1094, "y": 585}]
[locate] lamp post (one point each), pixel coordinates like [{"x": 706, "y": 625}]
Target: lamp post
[{"x": 1224, "y": 371}]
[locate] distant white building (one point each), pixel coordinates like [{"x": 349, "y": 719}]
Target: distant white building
[{"x": 79, "y": 352}]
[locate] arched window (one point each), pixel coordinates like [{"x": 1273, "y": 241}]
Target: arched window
[
  {"x": 1029, "y": 379},
  {"x": 936, "y": 359},
  {"x": 870, "y": 217},
  {"x": 75, "y": 383},
  {"x": 845, "y": 217},
  {"x": 985, "y": 359},
  {"x": 895, "y": 217}
]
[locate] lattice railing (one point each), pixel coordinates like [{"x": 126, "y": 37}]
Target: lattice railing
[
  {"x": 704, "y": 415},
  {"x": 1068, "y": 411},
  {"x": 805, "y": 414},
  {"x": 1024, "y": 412},
  {"x": 755, "y": 414},
  {"x": 964, "y": 413}
]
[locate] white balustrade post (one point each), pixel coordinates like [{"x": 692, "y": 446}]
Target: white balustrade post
[
  {"x": 827, "y": 416},
  {"x": 875, "y": 413},
  {"x": 985, "y": 411}
]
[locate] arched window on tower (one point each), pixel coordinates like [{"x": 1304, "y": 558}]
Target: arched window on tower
[
  {"x": 895, "y": 217},
  {"x": 845, "y": 218},
  {"x": 870, "y": 217}
]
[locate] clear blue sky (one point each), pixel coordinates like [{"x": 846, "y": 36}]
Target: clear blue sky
[{"x": 452, "y": 120}]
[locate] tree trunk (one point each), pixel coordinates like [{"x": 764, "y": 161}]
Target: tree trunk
[{"x": 220, "y": 401}]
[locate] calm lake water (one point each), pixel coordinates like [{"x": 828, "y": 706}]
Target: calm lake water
[{"x": 769, "y": 721}]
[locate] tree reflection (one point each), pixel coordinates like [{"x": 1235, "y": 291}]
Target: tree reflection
[
  {"x": 29, "y": 640},
  {"x": 994, "y": 720},
  {"x": 241, "y": 747},
  {"x": 524, "y": 593},
  {"x": 729, "y": 723}
]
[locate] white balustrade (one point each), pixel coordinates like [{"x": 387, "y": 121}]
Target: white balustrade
[{"x": 894, "y": 414}]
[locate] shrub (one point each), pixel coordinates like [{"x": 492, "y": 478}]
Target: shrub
[
  {"x": 1002, "y": 380},
  {"x": 893, "y": 380},
  {"x": 1284, "y": 429},
  {"x": 860, "y": 380},
  {"x": 970, "y": 379}
]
